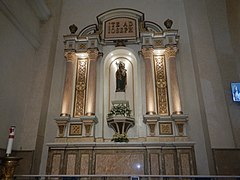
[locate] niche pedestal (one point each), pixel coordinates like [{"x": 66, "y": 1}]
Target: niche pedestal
[{"x": 120, "y": 121}]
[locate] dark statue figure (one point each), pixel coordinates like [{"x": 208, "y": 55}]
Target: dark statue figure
[{"x": 121, "y": 77}]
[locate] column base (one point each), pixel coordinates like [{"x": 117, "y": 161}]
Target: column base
[
  {"x": 90, "y": 114},
  {"x": 177, "y": 112},
  {"x": 150, "y": 113},
  {"x": 65, "y": 115}
]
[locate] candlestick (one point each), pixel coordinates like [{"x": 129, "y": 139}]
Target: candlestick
[{"x": 10, "y": 140}]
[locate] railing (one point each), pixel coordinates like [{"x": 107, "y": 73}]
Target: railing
[{"x": 123, "y": 177}]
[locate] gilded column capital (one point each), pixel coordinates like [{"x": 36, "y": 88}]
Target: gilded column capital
[
  {"x": 171, "y": 52},
  {"x": 147, "y": 53},
  {"x": 70, "y": 56},
  {"x": 93, "y": 54}
]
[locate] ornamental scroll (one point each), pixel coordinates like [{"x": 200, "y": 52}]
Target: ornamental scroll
[
  {"x": 161, "y": 85},
  {"x": 80, "y": 90}
]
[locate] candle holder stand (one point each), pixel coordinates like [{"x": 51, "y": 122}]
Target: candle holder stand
[{"x": 8, "y": 167}]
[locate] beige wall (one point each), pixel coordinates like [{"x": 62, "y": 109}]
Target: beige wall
[
  {"x": 26, "y": 71},
  {"x": 17, "y": 72}
]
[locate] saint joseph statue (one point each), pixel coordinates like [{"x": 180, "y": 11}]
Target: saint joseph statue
[{"x": 121, "y": 77}]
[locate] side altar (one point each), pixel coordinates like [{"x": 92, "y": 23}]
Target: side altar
[{"x": 121, "y": 105}]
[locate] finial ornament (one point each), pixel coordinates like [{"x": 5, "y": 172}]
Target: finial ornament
[
  {"x": 168, "y": 23},
  {"x": 73, "y": 28}
]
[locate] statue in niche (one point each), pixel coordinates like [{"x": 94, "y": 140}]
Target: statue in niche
[{"x": 121, "y": 77}]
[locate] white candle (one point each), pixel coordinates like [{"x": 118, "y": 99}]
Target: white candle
[{"x": 10, "y": 140}]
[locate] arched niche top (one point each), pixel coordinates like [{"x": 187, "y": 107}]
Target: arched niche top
[
  {"x": 120, "y": 52},
  {"x": 91, "y": 29},
  {"x": 120, "y": 12}
]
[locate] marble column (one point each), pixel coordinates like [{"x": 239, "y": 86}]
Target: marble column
[
  {"x": 149, "y": 81},
  {"x": 174, "y": 94},
  {"x": 91, "y": 84},
  {"x": 68, "y": 85}
]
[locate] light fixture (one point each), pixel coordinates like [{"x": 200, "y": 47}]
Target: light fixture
[
  {"x": 82, "y": 55},
  {"x": 158, "y": 51}
]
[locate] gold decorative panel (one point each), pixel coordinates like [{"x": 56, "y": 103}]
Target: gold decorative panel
[
  {"x": 82, "y": 46},
  {"x": 80, "y": 90},
  {"x": 165, "y": 128},
  {"x": 161, "y": 85},
  {"x": 75, "y": 130},
  {"x": 158, "y": 43}
]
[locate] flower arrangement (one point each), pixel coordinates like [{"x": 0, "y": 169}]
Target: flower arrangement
[
  {"x": 120, "y": 109},
  {"x": 120, "y": 137}
]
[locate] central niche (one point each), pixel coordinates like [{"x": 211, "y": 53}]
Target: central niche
[
  {"x": 120, "y": 83},
  {"x": 120, "y": 66}
]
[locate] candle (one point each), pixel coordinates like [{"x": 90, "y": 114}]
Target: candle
[{"x": 10, "y": 140}]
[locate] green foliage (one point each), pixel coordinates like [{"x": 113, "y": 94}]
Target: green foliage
[
  {"x": 120, "y": 109},
  {"x": 120, "y": 137}
]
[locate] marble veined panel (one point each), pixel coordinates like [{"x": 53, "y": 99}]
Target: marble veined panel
[
  {"x": 185, "y": 164},
  {"x": 56, "y": 164},
  {"x": 84, "y": 164},
  {"x": 169, "y": 164},
  {"x": 154, "y": 164},
  {"x": 71, "y": 162},
  {"x": 120, "y": 163}
]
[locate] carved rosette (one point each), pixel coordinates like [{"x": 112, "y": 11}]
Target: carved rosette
[
  {"x": 161, "y": 85},
  {"x": 80, "y": 90}
]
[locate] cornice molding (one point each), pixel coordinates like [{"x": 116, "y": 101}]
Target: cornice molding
[
  {"x": 40, "y": 8},
  {"x": 37, "y": 6}
]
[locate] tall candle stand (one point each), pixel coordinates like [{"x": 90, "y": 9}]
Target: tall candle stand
[
  {"x": 8, "y": 167},
  {"x": 9, "y": 163}
]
